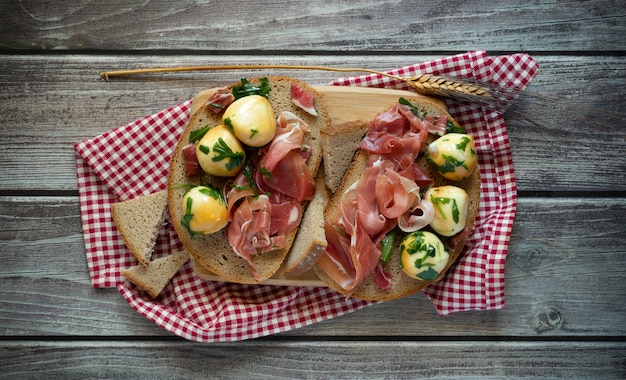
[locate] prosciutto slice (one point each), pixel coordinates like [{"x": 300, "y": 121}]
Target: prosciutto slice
[
  {"x": 264, "y": 200},
  {"x": 220, "y": 100},
  {"x": 283, "y": 165},
  {"x": 386, "y": 195},
  {"x": 249, "y": 230},
  {"x": 190, "y": 160},
  {"x": 303, "y": 99}
]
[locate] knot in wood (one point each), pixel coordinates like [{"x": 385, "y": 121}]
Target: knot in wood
[{"x": 550, "y": 319}]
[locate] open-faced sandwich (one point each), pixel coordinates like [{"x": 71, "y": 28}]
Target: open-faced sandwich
[
  {"x": 406, "y": 205},
  {"x": 389, "y": 213},
  {"x": 243, "y": 172}
]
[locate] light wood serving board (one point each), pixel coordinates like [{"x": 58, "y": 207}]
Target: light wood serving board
[{"x": 345, "y": 104}]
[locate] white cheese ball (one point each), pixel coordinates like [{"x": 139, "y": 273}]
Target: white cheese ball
[
  {"x": 204, "y": 210},
  {"x": 220, "y": 153},
  {"x": 423, "y": 255},
  {"x": 454, "y": 155},
  {"x": 451, "y": 205},
  {"x": 252, "y": 119}
]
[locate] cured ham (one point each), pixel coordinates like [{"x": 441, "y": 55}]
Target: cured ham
[
  {"x": 386, "y": 195},
  {"x": 283, "y": 166},
  {"x": 270, "y": 189},
  {"x": 303, "y": 99},
  {"x": 437, "y": 126},
  {"x": 248, "y": 231},
  {"x": 220, "y": 100},
  {"x": 417, "y": 217},
  {"x": 191, "y": 164}
]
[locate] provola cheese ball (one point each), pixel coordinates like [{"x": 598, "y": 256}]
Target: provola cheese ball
[
  {"x": 220, "y": 153},
  {"x": 451, "y": 205},
  {"x": 204, "y": 210},
  {"x": 454, "y": 155},
  {"x": 252, "y": 119},
  {"x": 423, "y": 255}
]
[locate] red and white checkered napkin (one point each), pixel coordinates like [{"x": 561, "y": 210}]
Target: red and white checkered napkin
[{"x": 133, "y": 160}]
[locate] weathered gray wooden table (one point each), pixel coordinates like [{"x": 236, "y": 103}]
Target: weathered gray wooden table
[{"x": 565, "y": 314}]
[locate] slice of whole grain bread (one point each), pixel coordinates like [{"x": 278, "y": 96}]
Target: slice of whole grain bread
[
  {"x": 213, "y": 251},
  {"x": 138, "y": 221},
  {"x": 401, "y": 284},
  {"x": 157, "y": 274}
]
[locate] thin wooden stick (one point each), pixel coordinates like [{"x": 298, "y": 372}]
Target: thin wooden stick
[{"x": 428, "y": 84}]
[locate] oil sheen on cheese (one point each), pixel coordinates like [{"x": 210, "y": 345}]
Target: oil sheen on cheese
[
  {"x": 220, "y": 153},
  {"x": 451, "y": 204},
  {"x": 204, "y": 209},
  {"x": 454, "y": 155},
  {"x": 252, "y": 119},
  {"x": 423, "y": 255}
]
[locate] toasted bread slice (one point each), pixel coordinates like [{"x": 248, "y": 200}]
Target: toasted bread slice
[
  {"x": 339, "y": 144},
  {"x": 310, "y": 241},
  {"x": 213, "y": 251},
  {"x": 138, "y": 220},
  {"x": 154, "y": 277},
  {"x": 401, "y": 284}
]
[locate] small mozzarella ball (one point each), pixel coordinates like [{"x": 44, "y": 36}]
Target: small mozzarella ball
[
  {"x": 252, "y": 120},
  {"x": 220, "y": 153},
  {"x": 451, "y": 205},
  {"x": 204, "y": 209},
  {"x": 454, "y": 155},
  {"x": 423, "y": 255}
]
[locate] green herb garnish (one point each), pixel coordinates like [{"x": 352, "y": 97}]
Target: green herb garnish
[
  {"x": 387, "y": 246},
  {"x": 463, "y": 144},
  {"x": 452, "y": 128},
  {"x": 225, "y": 152},
  {"x": 229, "y": 123},
  {"x": 246, "y": 88},
  {"x": 204, "y": 149},
  {"x": 437, "y": 202},
  {"x": 265, "y": 172},
  {"x": 198, "y": 133},
  {"x": 212, "y": 192},
  {"x": 455, "y": 211},
  {"x": 414, "y": 110},
  {"x": 451, "y": 163},
  {"x": 188, "y": 216},
  {"x": 429, "y": 275}
]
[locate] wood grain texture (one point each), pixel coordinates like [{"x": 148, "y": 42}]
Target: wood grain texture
[
  {"x": 551, "y": 288},
  {"x": 565, "y": 315},
  {"x": 271, "y": 359},
  {"x": 60, "y": 100},
  {"x": 389, "y": 26}
]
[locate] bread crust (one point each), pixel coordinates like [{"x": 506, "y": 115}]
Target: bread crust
[
  {"x": 213, "y": 251},
  {"x": 401, "y": 284},
  {"x": 138, "y": 221}
]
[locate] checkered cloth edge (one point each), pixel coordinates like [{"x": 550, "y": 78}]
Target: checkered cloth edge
[{"x": 133, "y": 160}]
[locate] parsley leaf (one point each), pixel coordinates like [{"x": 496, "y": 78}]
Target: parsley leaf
[
  {"x": 198, "y": 133},
  {"x": 452, "y": 128},
  {"x": 414, "y": 110},
  {"x": 224, "y": 151},
  {"x": 246, "y": 88}
]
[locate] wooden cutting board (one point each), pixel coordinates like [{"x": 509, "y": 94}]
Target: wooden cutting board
[{"x": 345, "y": 104}]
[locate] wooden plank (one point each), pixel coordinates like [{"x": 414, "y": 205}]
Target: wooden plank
[
  {"x": 321, "y": 26},
  {"x": 55, "y": 101},
  {"x": 557, "y": 280},
  {"x": 265, "y": 359}
]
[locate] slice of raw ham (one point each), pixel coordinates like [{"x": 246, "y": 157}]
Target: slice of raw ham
[
  {"x": 220, "y": 100},
  {"x": 303, "y": 99},
  {"x": 192, "y": 166}
]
